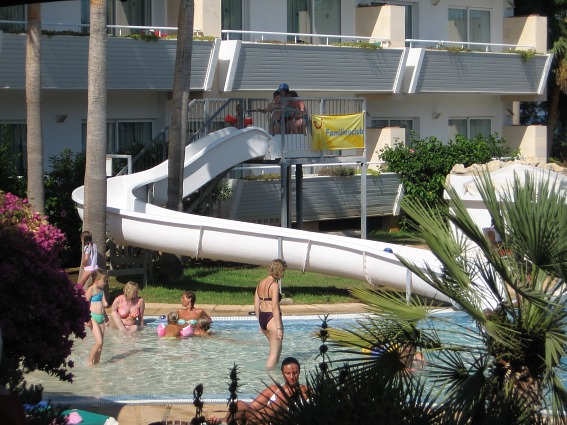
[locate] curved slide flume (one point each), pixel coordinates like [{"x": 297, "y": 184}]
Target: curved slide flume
[{"x": 134, "y": 217}]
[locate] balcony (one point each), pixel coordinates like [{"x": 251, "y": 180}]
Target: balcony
[
  {"x": 445, "y": 71},
  {"x": 132, "y": 64},
  {"x": 255, "y": 66},
  {"x": 258, "y": 65}
]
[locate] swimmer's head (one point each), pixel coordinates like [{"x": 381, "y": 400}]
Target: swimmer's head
[
  {"x": 172, "y": 317},
  {"x": 277, "y": 268},
  {"x": 130, "y": 289},
  {"x": 190, "y": 296},
  {"x": 86, "y": 237},
  {"x": 204, "y": 323},
  {"x": 290, "y": 360}
]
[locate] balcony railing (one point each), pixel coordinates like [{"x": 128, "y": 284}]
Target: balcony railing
[
  {"x": 208, "y": 115},
  {"x": 487, "y": 47},
  {"x": 262, "y": 36},
  {"x": 298, "y": 37},
  {"x": 118, "y": 30}
]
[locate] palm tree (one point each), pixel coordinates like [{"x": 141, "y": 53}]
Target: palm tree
[
  {"x": 502, "y": 364},
  {"x": 35, "y": 187},
  {"x": 180, "y": 105},
  {"x": 556, "y": 12},
  {"x": 95, "y": 172}
]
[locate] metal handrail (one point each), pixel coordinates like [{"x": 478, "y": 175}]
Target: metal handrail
[
  {"x": 164, "y": 133},
  {"x": 411, "y": 41},
  {"x": 80, "y": 26},
  {"x": 209, "y": 122},
  {"x": 441, "y": 43},
  {"x": 296, "y": 35}
]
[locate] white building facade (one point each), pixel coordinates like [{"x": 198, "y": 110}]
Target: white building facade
[{"x": 439, "y": 67}]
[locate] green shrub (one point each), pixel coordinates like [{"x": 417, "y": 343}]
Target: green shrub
[
  {"x": 147, "y": 37},
  {"x": 369, "y": 172},
  {"x": 336, "y": 171},
  {"x": 270, "y": 176},
  {"x": 423, "y": 164},
  {"x": 197, "y": 38},
  {"x": 10, "y": 179},
  {"x": 359, "y": 44},
  {"x": 526, "y": 55},
  {"x": 49, "y": 33},
  {"x": 67, "y": 173}
]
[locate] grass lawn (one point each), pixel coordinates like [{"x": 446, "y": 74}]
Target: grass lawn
[
  {"x": 217, "y": 282},
  {"x": 228, "y": 283}
]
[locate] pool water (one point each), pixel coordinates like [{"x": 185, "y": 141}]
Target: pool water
[{"x": 143, "y": 366}]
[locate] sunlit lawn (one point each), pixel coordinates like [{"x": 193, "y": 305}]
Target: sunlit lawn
[{"x": 226, "y": 283}]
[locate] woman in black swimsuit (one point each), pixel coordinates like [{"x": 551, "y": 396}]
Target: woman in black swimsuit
[{"x": 267, "y": 307}]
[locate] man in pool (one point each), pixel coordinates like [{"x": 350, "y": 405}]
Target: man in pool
[{"x": 273, "y": 400}]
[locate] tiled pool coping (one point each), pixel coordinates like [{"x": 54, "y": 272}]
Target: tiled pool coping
[{"x": 302, "y": 317}]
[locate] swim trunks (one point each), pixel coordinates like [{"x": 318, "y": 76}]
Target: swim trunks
[
  {"x": 99, "y": 318},
  {"x": 264, "y": 318}
]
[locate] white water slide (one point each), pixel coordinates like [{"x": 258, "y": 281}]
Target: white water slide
[{"x": 135, "y": 218}]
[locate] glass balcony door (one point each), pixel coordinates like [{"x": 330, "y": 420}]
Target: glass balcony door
[
  {"x": 231, "y": 17},
  {"x": 129, "y": 13},
  {"x": 13, "y": 13},
  {"x": 469, "y": 25},
  {"x": 314, "y": 17}
]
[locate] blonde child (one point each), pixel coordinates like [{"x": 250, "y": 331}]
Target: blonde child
[
  {"x": 204, "y": 327},
  {"x": 172, "y": 329},
  {"x": 95, "y": 296},
  {"x": 89, "y": 260}
]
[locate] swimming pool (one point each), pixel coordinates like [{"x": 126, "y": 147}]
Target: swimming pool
[{"x": 144, "y": 368}]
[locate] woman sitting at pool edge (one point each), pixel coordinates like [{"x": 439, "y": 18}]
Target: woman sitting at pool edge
[
  {"x": 189, "y": 315},
  {"x": 128, "y": 309}
]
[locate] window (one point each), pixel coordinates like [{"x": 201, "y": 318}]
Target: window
[
  {"x": 14, "y": 136},
  {"x": 129, "y": 13},
  {"x": 410, "y": 22},
  {"x": 13, "y": 13},
  {"x": 314, "y": 17},
  {"x": 231, "y": 17},
  {"x": 124, "y": 137},
  {"x": 134, "y": 13},
  {"x": 470, "y": 127},
  {"x": 469, "y": 25},
  {"x": 406, "y": 123}
]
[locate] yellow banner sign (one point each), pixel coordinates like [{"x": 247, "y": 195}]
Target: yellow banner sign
[{"x": 338, "y": 131}]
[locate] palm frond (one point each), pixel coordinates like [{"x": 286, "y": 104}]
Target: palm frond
[{"x": 392, "y": 304}]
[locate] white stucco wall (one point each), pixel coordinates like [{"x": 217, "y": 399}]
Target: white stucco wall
[
  {"x": 433, "y": 20},
  {"x": 122, "y": 105},
  {"x": 424, "y": 108}
]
